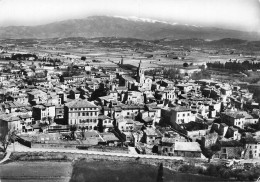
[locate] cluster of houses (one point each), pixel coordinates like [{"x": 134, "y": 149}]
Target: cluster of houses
[{"x": 153, "y": 114}]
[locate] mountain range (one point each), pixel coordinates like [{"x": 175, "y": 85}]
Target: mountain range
[{"x": 107, "y": 26}]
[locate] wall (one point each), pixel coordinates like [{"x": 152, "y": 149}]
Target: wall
[
  {"x": 82, "y": 147},
  {"x": 53, "y": 145},
  {"x": 171, "y": 164}
]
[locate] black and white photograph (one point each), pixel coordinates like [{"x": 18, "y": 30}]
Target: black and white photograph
[{"x": 129, "y": 90}]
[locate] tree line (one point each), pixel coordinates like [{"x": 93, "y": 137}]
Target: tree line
[
  {"x": 21, "y": 57},
  {"x": 235, "y": 65}
]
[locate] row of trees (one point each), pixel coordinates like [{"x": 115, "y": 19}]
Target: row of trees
[
  {"x": 44, "y": 59},
  {"x": 21, "y": 57},
  {"x": 171, "y": 73},
  {"x": 235, "y": 65},
  {"x": 201, "y": 75}
]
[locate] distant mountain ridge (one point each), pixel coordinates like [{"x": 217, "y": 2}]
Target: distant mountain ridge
[{"x": 105, "y": 26}]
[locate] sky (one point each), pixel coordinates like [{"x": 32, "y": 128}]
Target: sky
[{"x": 233, "y": 14}]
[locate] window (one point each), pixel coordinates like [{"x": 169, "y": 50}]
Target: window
[
  {"x": 183, "y": 115},
  {"x": 188, "y": 114},
  {"x": 79, "y": 109},
  {"x": 83, "y": 114},
  {"x": 78, "y": 114},
  {"x": 128, "y": 113}
]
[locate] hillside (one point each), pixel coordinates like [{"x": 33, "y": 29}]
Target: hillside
[{"x": 104, "y": 26}]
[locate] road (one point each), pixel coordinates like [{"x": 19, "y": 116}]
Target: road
[{"x": 20, "y": 148}]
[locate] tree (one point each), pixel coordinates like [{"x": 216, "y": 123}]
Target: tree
[
  {"x": 44, "y": 119},
  {"x": 45, "y": 73},
  {"x": 100, "y": 92},
  {"x": 49, "y": 119},
  {"x": 185, "y": 64},
  {"x": 83, "y": 132},
  {"x": 73, "y": 128},
  {"x": 83, "y": 58},
  {"x": 209, "y": 152},
  {"x": 160, "y": 173},
  {"x": 7, "y": 139}
]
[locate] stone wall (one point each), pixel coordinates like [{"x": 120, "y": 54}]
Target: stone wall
[
  {"x": 82, "y": 147},
  {"x": 53, "y": 145}
]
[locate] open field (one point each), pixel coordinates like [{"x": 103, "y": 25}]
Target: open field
[
  {"x": 128, "y": 172},
  {"x": 81, "y": 171},
  {"x": 36, "y": 171}
]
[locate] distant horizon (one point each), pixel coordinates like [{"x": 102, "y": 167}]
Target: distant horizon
[
  {"x": 241, "y": 15},
  {"x": 131, "y": 18}
]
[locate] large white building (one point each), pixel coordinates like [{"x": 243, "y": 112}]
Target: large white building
[
  {"x": 181, "y": 115},
  {"x": 82, "y": 113}
]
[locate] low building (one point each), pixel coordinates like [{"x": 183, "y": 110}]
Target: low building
[
  {"x": 187, "y": 149},
  {"x": 229, "y": 149},
  {"x": 180, "y": 115}
]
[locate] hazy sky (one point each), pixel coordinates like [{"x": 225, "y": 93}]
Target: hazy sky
[{"x": 235, "y": 14}]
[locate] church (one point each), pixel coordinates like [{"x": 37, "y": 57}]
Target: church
[
  {"x": 139, "y": 81},
  {"x": 143, "y": 83}
]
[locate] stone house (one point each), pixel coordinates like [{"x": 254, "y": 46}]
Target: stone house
[{"x": 229, "y": 149}]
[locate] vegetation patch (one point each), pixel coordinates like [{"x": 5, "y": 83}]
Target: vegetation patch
[
  {"x": 221, "y": 171},
  {"x": 40, "y": 156}
]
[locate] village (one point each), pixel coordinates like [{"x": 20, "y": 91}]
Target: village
[{"x": 106, "y": 105}]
